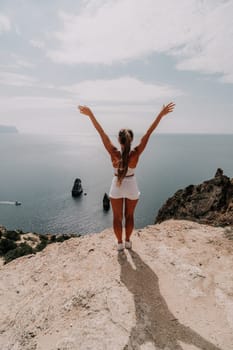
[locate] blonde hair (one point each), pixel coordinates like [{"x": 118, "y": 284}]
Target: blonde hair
[{"x": 125, "y": 139}]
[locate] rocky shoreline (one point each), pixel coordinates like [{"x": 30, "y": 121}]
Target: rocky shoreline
[{"x": 210, "y": 202}]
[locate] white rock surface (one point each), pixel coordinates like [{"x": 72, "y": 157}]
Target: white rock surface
[{"x": 173, "y": 291}]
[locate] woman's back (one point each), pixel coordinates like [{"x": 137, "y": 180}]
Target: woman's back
[{"x": 132, "y": 162}]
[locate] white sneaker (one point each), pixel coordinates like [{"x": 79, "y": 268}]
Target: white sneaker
[
  {"x": 128, "y": 244},
  {"x": 120, "y": 246}
]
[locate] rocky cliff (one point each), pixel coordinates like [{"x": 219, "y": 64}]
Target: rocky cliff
[
  {"x": 173, "y": 291},
  {"x": 210, "y": 202}
]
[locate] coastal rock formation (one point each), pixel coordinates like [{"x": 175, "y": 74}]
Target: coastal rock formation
[
  {"x": 210, "y": 202},
  {"x": 106, "y": 202},
  {"x": 77, "y": 189},
  {"x": 173, "y": 291}
]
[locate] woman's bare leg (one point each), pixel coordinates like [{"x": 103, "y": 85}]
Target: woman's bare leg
[
  {"x": 130, "y": 206},
  {"x": 117, "y": 208}
]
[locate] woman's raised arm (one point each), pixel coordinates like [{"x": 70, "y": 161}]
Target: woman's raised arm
[
  {"x": 165, "y": 110},
  {"x": 106, "y": 140}
]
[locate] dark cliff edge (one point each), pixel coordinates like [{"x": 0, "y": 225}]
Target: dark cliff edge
[
  {"x": 14, "y": 244},
  {"x": 210, "y": 202}
]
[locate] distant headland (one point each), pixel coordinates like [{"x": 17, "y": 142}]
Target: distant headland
[{"x": 7, "y": 129}]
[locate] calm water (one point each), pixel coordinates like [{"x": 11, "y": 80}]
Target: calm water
[{"x": 39, "y": 172}]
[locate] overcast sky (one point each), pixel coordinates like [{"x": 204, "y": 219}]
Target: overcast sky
[{"x": 123, "y": 58}]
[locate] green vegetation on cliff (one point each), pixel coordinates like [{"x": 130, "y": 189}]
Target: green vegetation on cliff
[{"x": 14, "y": 244}]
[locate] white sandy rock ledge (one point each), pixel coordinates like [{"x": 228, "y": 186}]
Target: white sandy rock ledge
[{"x": 173, "y": 291}]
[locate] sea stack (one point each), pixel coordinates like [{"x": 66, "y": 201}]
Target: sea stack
[
  {"x": 106, "y": 202},
  {"x": 77, "y": 188}
]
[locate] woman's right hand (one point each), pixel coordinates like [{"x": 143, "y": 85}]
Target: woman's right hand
[
  {"x": 167, "y": 109},
  {"x": 85, "y": 110}
]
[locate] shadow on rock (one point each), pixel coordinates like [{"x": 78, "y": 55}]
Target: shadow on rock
[{"x": 155, "y": 324}]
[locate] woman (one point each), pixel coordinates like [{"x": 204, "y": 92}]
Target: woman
[{"x": 124, "y": 191}]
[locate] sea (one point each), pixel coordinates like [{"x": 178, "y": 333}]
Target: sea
[{"x": 39, "y": 171}]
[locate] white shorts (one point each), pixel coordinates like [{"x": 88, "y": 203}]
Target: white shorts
[{"x": 127, "y": 189}]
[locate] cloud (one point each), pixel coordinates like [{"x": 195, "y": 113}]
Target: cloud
[
  {"x": 124, "y": 90},
  {"x": 14, "y": 62},
  {"x": 39, "y": 44},
  {"x": 34, "y": 102},
  {"x": 21, "y": 61},
  {"x": 198, "y": 33},
  {"x": 5, "y": 24},
  {"x": 17, "y": 30},
  {"x": 15, "y": 79},
  {"x": 22, "y": 80},
  {"x": 212, "y": 50}
]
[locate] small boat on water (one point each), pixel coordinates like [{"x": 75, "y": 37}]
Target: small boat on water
[
  {"x": 106, "y": 202},
  {"x": 77, "y": 188},
  {"x": 17, "y": 203}
]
